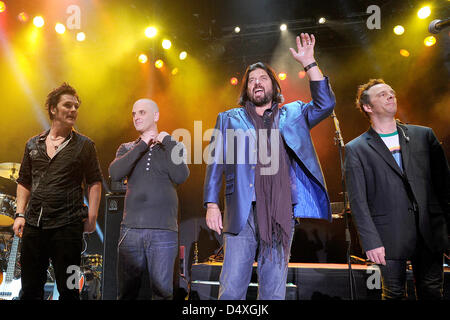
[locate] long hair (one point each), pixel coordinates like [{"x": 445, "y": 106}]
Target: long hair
[{"x": 276, "y": 97}]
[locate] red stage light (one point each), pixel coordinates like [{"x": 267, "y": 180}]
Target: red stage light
[
  {"x": 302, "y": 74},
  {"x": 22, "y": 17},
  {"x": 234, "y": 81}
]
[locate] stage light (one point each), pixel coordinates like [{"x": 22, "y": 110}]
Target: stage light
[
  {"x": 38, "y": 21},
  {"x": 322, "y": 20},
  {"x": 183, "y": 55},
  {"x": 81, "y": 36},
  {"x": 234, "y": 81},
  {"x": 174, "y": 71},
  {"x": 142, "y": 58},
  {"x": 282, "y": 76},
  {"x": 159, "y": 63},
  {"x": 150, "y": 32},
  {"x": 404, "y": 53},
  {"x": 302, "y": 74},
  {"x": 424, "y": 12},
  {"x": 166, "y": 44},
  {"x": 237, "y": 29},
  {"x": 399, "y": 30},
  {"x": 2, "y": 6},
  {"x": 60, "y": 28},
  {"x": 283, "y": 27},
  {"x": 22, "y": 17},
  {"x": 429, "y": 41}
]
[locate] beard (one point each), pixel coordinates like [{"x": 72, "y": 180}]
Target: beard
[{"x": 261, "y": 100}]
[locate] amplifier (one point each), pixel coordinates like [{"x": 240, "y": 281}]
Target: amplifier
[{"x": 113, "y": 217}]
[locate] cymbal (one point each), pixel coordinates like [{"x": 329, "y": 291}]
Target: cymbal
[
  {"x": 10, "y": 170},
  {"x": 7, "y": 186}
]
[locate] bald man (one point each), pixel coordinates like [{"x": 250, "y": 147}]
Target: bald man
[{"x": 148, "y": 239}]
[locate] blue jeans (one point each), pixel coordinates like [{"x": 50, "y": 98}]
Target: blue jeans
[
  {"x": 146, "y": 250},
  {"x": 240, "y": 251}
]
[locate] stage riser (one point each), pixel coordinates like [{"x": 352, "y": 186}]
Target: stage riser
[{"x": 309, "y": 284}]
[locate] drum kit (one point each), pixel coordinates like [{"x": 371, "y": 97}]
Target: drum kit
[{"x": 91, "y": 264}]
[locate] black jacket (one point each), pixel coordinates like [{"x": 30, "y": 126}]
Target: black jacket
[{"x": 386, "y": 203}]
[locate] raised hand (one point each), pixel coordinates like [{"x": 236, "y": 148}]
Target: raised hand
[
  {"x": 161, "y": 136},
  {"x": 305, "y": 49}
]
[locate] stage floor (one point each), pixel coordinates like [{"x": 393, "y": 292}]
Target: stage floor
[{"x": 308, "y": 281}]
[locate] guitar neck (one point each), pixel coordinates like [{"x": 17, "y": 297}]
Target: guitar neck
[{"x": 12, "y": 259}]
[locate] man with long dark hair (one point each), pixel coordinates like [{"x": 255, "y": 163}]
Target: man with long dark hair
[
  {"x": 272, "y": 175},
  {"x": 51, "y": 212}
]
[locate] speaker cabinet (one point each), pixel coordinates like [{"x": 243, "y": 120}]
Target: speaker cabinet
[{"x": 113, "y": 217}]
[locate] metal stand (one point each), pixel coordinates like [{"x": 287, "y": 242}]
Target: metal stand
[{"x": 340, "y": 142}]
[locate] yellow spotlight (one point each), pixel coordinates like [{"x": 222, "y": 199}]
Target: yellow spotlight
[
  {"x": 159, "y": 63},
  {"x": 2, "y": 6},
  {"x": 22, "y": 17},
  {"x": 150, "y": 32},
  {"x": 166, "y": 44},
  {"x": 81, "y": 36},
  {"x": 322, "y": 20},
  {"x": 424, "y": 12},
  {"x": 237, "y": 29},
  {"x": 399, "y": 30},
  {"x": 142, "y": 58},
  {"x": 60, "y": 28},
  {"x": 282, "y": 76},
  {"x": 429, "y": 41},
  {"x": 174, "y": 71},
  {"x": 183, "y": 55},
  {"x": 38, "y": 21},
  {"x": 283, "y": 27},
  {"x": 404, "y": 53}
]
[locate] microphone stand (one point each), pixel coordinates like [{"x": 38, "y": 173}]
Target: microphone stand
[{"x": 340, "y": 142}]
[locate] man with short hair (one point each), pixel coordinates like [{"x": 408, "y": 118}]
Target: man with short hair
[
  {"x": 398, "y": 185},
  {"x": 154, "y": 166},
  {"x": 271, "y": 175},
  {"x": 51, "y": 213}
]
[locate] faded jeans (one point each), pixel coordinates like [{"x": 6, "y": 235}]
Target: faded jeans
[{"x": 240, "y": 252}]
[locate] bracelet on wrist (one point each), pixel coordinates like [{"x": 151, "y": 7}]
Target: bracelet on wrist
[
  {"x": 19, "y": 215},
  {"x": 309, "y": 66}
]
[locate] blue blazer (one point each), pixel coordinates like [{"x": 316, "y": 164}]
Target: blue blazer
[{"x": 308, "y": 188}]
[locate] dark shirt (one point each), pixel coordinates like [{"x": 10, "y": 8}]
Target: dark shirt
[
  {"x": 151, "y": 200},
  {"x": 56, "y": 184}
]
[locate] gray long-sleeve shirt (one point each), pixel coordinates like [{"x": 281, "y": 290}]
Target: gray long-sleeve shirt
[{"x": 152, "y": 177}]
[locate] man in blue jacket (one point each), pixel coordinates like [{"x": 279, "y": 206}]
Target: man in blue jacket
[{"x": 272, "y": 175}]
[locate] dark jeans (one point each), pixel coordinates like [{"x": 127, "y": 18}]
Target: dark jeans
[
  {"x": 146, "y": 250},
  {"x": 428, "y": 274},
  {"x": 63, "y": 246}
]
